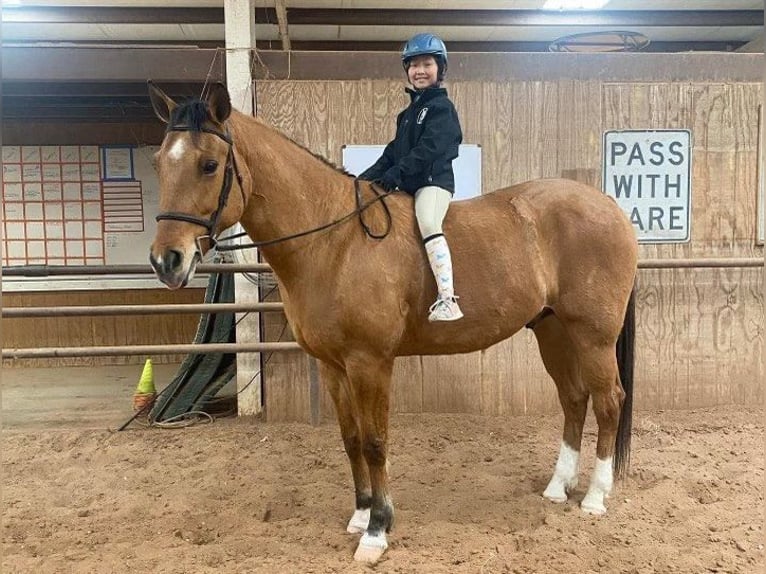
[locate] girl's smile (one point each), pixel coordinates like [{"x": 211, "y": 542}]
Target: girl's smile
[{"x": 422, "y": 72}]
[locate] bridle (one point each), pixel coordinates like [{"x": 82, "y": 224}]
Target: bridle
[{"x": 230, "y": 171}]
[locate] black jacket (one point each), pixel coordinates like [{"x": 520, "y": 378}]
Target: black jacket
[{"x": 427, "y": 138}]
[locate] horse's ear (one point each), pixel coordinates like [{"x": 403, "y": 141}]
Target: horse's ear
[
  {"x": 162, "y": 103},
  {"x": 219, "y": 102}
]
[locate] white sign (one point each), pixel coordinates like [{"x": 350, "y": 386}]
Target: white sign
[
  {"x": 467, "y": 166},
  {"x": 649, "y": 174}
]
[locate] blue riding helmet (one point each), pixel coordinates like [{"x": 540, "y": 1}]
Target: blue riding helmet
[{"x": 426, "y": 44}]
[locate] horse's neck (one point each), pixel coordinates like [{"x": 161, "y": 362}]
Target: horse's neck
[{"x": 292, "y": 191}]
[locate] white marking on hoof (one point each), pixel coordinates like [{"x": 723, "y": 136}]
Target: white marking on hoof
[
  {"x": 599, "y": 489},
  {"x": 564, "y": 477},
  {"x": 594, "y": 506},
  {"x": 371, "y": 548},
  {"x": 359, "y": 521}
]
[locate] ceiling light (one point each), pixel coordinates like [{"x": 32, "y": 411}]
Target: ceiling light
[{"x": 574, "y": 4}]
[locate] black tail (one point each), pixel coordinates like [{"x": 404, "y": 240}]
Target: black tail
[{"x": 625, "y": 347}]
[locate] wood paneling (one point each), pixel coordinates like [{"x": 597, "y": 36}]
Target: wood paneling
[{"x": 700, "y": 332}]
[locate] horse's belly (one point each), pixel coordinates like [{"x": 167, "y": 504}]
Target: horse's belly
[{"x": 476, "y": 331}]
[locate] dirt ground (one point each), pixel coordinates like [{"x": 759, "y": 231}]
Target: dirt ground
[{"x": 245, "y": 496}]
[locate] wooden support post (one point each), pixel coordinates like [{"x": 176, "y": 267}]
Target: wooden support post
[
  {"x": 239, "y": 23},
  {"x": 762, "y": 207}
]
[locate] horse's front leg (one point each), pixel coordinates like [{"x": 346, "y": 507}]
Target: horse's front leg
[
  {"x": 337, "y": 384},
  {"x": 370, "y": 380}
]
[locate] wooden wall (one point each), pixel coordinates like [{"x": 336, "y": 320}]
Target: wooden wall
[
  {"x": 700, "y": 332},
  {"x": 98, "y": 331}
]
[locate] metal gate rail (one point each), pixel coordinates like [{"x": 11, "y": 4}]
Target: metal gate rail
[
  {"x": 47, "y": 271},
  {"x": 61, "y": 270}
]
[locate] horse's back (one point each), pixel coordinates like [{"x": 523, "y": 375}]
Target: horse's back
[{"x": 568, "y": 237}]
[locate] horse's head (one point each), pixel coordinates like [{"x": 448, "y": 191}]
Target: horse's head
[{"x": 201, "y": 189}]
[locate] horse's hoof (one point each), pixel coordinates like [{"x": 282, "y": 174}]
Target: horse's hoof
[
  {"x": 557, "y": 490},
  {"x": 359, "y": 521},
  {"x": 558, "y": 499},
  {"x": 371, "y": 548},
  {"x": 593, "y": 507}
]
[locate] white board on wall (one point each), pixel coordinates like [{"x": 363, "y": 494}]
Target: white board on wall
[{"x": 467, "y": 166}]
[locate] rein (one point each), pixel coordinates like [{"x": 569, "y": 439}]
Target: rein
[
  {"x": 232, "y": 170},
  {"x": 360, "y": 209}
]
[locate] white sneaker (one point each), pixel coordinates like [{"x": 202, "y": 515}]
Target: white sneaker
[{"x": 445, "y": 310}]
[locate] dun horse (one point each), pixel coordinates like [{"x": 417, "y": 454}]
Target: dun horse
[{"x": 553, "y": 255}]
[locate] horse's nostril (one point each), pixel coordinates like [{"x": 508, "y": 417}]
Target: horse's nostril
[
  {"x": 169, "y": 262},
  {"x": 172, "y": 260}
]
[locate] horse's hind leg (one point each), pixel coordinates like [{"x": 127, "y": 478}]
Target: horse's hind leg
[
  {"x": 337, "y": 384},
  {"x": 600, "y": 370},
  {"x": 370, "y": 379},
  {"x": 560, "y": 360},
  {"x": 598, "y": 365}
]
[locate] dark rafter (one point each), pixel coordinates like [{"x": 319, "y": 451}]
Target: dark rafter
[{"x": 389, "y": 17}]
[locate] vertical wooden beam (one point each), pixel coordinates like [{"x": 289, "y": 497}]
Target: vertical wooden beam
[
  {"x": 761, "y": 168},
  {"x": 239, "y": 26},
  {"x": 284, "y": 33},
  {"x": 239, "y": 23}
]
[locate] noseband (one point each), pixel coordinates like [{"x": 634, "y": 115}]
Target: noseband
[{"x": 228, "y": 176}]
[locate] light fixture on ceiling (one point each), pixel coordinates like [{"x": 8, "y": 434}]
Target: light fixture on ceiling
[
  {"x": 607, "y": 41},
  {"x": 574, "y": 4}
]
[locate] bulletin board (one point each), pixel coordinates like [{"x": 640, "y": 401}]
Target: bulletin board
[{"x": 78, "y": 205}]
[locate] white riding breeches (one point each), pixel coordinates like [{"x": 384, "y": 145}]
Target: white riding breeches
[{"x": 431, "y": 204}]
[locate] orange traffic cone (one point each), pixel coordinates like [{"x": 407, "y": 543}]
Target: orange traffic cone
[{"x": 145, "y": 394}]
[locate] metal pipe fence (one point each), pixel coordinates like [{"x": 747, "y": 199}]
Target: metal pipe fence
[
  {"x": 69, "y": 270},
  {"x": 131, "y": 350},
  {"x": 89, "y": 270},
  {"x": 94, "y": 311}
]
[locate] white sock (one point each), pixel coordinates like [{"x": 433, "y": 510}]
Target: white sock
[{"x": 441, "y": 265}]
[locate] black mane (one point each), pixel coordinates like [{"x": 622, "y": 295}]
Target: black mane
[{"x": 193, "y": 113}]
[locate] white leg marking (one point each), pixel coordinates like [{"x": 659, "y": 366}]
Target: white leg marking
[
  {"x": 564, "y": 477},
  {"x": 177, "y": 150},
  {"x": 600, "y": 487},
  {"x": 359, "y": 521},
  {"x": 371, "y": 548}
]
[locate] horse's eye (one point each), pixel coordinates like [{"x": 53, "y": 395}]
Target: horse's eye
[{"x": 209, "y": 166}]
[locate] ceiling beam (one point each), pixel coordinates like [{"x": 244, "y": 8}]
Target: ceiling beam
[
  {"x": 40, "y": 64},
  {"x": 120, "y": 15},
  {"x": 485, "y": 46},
  {"x": 44, "y": 90},
  {"x": 399, "y": 17},
  {"x": 395, "y": 46},
  {"x": 66, "y": 64},
  {"x": 388, "y": 17}
]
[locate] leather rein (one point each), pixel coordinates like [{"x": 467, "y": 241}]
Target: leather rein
[{"x": 232, "y": 171}]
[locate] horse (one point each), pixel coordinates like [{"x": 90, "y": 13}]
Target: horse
[{"x": 556, "y": 256}]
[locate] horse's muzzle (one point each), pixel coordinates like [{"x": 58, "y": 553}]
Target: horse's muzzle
[{"x": 172, "y": 269}]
